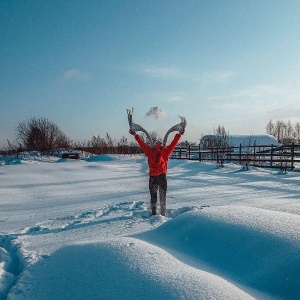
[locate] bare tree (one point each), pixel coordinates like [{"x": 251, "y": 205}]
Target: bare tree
[
  {"x": 297, "y": 132},
  {"x": 284, "y": 132},
  {"x": 110, "y": 143},
  {"x": 270, "y": 127},
  {"x": 289, "y": 133},
  {"x": 97, "y": 145},
  {"x": 40, "y": 134},
  {"x": 221, "y": 137}
]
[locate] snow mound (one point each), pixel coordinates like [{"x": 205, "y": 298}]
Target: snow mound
[
  {"x": 126, "y": 268},
  {"x": 103, "y": 157},
  {"x": 9, "y": 161},
  {"x": 255, "y": 248}
]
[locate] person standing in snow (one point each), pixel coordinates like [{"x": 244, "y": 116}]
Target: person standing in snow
[{"x": 158, "y": 157}]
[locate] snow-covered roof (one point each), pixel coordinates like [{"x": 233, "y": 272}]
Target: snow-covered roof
[{"x": 247, "y": 140}]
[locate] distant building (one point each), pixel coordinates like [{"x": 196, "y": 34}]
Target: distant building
[{"x": 212, "y": 141}]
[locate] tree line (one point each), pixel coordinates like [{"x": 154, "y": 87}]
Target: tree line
[
  {"x": 285, "y": 132},
  {"x": 106, "y": 145},
  {"x": 41, "y": 134}
]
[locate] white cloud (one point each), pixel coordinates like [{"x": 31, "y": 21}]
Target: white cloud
[
  {"x": 174, "y": 98},
  {"x": 258, "y": 92},
  {"x": 75, "y": 74},
  {"x": 167, "y": 96},
  {"x": 162, "y": 72},
  {"x": 162, "y": 97},
  {"x": 171, "y": 72},
  {"x": 261, "y": 91},
  {"x": 265, "y": 101},
  {"x": 216, "y": 76}
]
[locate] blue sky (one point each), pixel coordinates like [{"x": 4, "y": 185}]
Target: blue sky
[{"x": 80, "y": 64}]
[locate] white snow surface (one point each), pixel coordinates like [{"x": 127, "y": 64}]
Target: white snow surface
[{"x": 81, "y": 229}]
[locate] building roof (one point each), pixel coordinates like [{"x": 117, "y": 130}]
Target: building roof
[{"x": 247, "y": 140}]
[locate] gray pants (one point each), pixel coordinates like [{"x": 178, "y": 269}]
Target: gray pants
[{"x": 158, "y": 184}]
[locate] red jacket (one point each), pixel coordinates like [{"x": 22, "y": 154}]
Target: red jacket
[{"x": 158, "y": 156}]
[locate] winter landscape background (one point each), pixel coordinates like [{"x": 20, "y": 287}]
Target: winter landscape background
[{"x": 81, "y": 229}]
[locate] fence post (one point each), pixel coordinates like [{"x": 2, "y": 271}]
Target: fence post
[
  {"x": 199, "y": 153},
  {"x": 254, "y": 154},
  {"x": 271, "y": 162},
  {"x": 293, "y": 154},
  {"x": 240, "y": 156}
]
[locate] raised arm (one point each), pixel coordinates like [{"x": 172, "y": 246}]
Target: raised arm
[
  {"x": 173, "y": 144},
  {"x": 145, "y": 148}
]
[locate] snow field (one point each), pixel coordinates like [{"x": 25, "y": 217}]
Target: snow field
[{"x": 83, "y": 230}]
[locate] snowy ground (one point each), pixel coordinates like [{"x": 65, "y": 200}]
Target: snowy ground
[{"x": 82, "y": 230}]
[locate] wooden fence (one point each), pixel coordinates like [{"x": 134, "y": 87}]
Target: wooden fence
[{"x": 285, "y": 157}]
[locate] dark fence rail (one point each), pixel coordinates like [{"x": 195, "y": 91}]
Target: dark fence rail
[{"x": 268, "y": 156}]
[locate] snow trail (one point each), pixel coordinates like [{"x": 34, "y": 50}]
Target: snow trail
[{"x": 10, "y": 265}]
